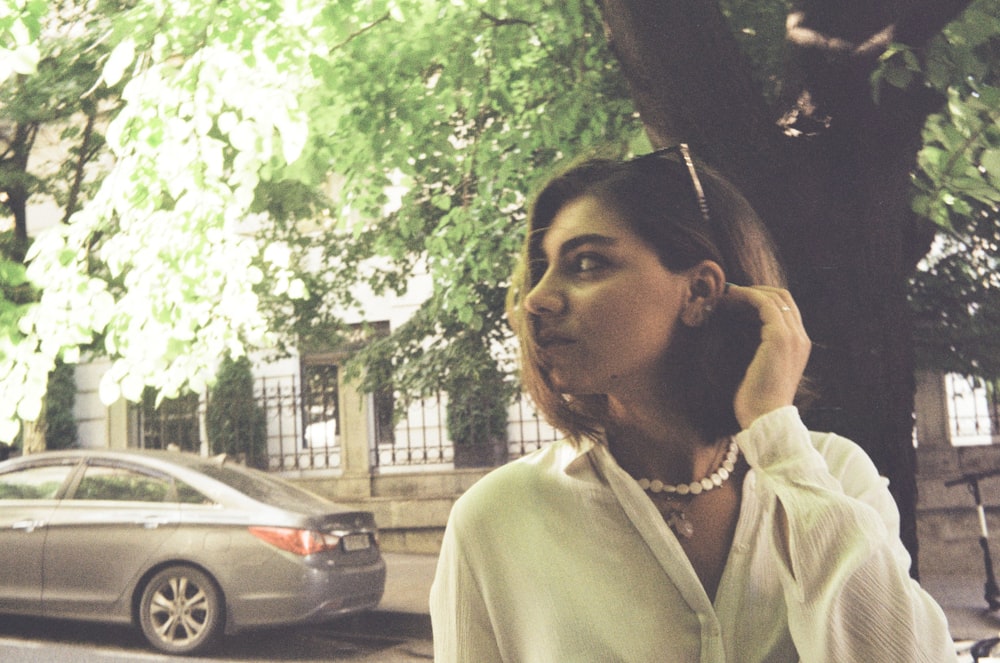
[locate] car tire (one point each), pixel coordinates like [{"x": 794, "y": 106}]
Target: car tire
[{"x": 181, "y": 611}]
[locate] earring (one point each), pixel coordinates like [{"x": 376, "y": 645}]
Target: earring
[{"x": 698, "y": 318}]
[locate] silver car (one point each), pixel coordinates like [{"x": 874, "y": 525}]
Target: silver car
[{"x": 185, "y": 547}]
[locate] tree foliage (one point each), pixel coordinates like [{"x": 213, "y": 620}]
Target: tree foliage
[
  {"x": 467, "y": 108},
  {"x": 956, "y": 292},
  {"x": 51, "y": 99},
  {"x": 20, "y": 28},
  {"x": 229, "y": 107},
  {"x": 276, "y": 162}
]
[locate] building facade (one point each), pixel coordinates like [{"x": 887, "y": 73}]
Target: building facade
[{"x": 958, "y": 435}]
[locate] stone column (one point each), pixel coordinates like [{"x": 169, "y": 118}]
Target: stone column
[
  {"x": 355, "y": 455},
  {"x": 939, "y": 529},
  {"x": 936, "y": 457},
  {"x": 931, "y": 407},
  {"x": 118, "y": 424}
]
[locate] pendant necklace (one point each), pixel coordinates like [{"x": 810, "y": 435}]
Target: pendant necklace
[{"x": 676, "y": 515}]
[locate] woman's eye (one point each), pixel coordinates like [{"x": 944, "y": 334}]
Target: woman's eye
[{"x": 588, "y": 262}]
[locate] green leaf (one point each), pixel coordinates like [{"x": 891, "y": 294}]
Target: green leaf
[
  {"x": 12, "y": 274},
  {"x": 121, "y": 57},
  {"x": 990, "y": 161}
]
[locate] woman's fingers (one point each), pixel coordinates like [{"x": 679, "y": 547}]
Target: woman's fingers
[
  {"x": 767, "y": 300},
  {"x": 773, "y": 377}
]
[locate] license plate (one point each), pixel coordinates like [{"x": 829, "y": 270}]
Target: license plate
[{"x": 355, "y": 542}]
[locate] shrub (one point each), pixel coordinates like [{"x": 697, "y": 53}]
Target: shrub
[
  {"x": 60, "y": 420},
  {"x": 236, "y": 424}
]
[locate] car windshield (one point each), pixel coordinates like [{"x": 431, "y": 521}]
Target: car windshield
[{"x": 264, "y": 488}]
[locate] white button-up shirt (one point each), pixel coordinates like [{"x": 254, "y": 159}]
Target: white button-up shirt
[{"x": 560, "y": 557}]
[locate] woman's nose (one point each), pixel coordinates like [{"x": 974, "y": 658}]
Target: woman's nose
[{"x": 544, "y": 299}]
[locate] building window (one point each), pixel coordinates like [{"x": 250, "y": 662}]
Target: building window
[{"x": 973, "y": 410}]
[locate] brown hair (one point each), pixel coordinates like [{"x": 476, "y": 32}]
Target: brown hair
[{"x": 655, "y": 195}]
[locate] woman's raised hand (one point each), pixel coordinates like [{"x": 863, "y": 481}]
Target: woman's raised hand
[{"x": 775, "y": 371}]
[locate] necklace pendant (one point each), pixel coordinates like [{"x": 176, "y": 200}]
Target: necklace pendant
[{"x": 680, "y": 524}]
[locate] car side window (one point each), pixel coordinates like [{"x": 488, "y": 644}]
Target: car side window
[
  {"x": 41, "y": 482},
  {"x": 120, "y": 484},
  {"x": 188, "y": 495}
]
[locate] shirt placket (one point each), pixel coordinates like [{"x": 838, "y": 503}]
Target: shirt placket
[{"x": 668, "y": 553}]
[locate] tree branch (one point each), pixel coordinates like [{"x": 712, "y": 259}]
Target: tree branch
[
  {"x": 834, "y": 46},
  {"x": 858, "y": 26},
  {"x": 801, "y": 36},
  {"x": 83, "y": 157},
  {"x": 354, "y": 35},
  {"x": 499, "y": 22}
]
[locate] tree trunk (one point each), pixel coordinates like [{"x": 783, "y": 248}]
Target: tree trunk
[
  {"x": 828, "y": 170},
  {"x": 14, "y": 182},
  {"x": 85, "y": 153},
  {"x": 33, "y": 434}
]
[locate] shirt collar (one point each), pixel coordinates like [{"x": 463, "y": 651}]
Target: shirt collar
[{"x": 589, "y": 461}]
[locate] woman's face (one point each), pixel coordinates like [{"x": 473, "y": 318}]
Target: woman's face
[{"x": 605, "y": 309}]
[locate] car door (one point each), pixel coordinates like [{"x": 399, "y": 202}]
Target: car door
[
  {"x": 100, "y": 538},
  {"x": 28, "y": 496}
]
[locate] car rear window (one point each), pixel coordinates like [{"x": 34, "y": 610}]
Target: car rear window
[{"x": 263, "y": 487}]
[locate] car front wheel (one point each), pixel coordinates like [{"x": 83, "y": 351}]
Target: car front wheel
[{"x": 181, "y": 611}]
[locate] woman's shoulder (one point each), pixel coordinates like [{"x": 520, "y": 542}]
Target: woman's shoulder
[
  {"x": 518, "y": 481},
  {"x": 524, "y": 471}
]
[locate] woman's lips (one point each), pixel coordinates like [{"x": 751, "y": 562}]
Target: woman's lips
[{"x": 550, "y": 340}]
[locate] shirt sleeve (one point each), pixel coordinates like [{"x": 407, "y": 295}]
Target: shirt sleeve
[
  {"x": 463, "y": 631},
  {"x": 843, "y": 570}
]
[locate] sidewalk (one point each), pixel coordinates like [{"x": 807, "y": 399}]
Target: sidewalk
[
  {"x": 408, "y": 583},
  {"x": 962, "y": 598},
  {"x": 404, "y": 607}
]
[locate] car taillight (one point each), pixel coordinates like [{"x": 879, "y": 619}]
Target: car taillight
[{"x": 298, "y": 541}]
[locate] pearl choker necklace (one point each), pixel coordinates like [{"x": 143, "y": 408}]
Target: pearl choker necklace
[
  {"x": 714, "y": 480},
  {"x": 676, "y": 516}
]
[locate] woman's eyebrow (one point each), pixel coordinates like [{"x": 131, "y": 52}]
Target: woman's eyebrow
[{"x": 574, "y": 243}]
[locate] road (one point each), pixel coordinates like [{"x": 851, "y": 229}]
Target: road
[{"x": 31, "y": 640}]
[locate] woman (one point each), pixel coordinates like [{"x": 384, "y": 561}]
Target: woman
[{"x": 689, "y": 515}]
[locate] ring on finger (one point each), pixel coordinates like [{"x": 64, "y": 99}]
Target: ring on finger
[{"x": 785, "y": 309}]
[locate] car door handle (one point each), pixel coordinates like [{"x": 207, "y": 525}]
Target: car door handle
[
  {"x": 28, "y": 525},
  {"x": 152, "y": 522}
]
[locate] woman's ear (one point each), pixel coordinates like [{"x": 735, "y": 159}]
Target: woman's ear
[{"x": 706, "y": 284}]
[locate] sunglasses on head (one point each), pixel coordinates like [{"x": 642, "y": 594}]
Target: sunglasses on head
[{"x": 682, "y": 150}]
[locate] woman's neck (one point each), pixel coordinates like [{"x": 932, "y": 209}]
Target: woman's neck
[{"x": 651, "y": 439}]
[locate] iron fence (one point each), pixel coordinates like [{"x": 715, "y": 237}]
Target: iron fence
[
  {"x": 301, "y": 434},
  {"x": 303, "y": 427},
  {"x": 420, "y": 437}
]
